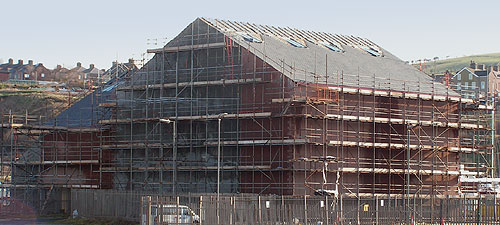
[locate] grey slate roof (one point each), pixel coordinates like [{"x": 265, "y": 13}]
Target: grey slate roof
[
  {"x": 87, "y": 112},
  {"x": 91, "y": 71},
  {"x": 356, "y": 66}
]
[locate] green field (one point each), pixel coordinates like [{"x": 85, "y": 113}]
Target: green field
[{"x": 455, "y": 64}]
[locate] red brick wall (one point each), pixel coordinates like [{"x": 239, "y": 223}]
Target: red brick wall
[{"x": 4, "y": 76}]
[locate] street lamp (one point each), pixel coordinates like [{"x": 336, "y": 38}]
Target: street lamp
[
  {"x": 174, "y": 153},
  {"x": 218, "y": 165}
]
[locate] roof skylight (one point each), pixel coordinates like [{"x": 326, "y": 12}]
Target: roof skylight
[
  {"x": 332, "y": 47},
  {"x": 250, "y": 38},
  {"x": 295, "y": 43},
  {"x": 372, "y": 51}
]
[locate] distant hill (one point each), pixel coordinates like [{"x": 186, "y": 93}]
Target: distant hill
[
  {"x": 21, "y": 100},
  {"x": 455, "y": 64}
]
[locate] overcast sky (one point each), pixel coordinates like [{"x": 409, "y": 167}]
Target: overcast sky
[{"x": 101, "y": 31}]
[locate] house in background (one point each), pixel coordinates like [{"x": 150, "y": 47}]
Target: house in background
[
  {"x": 30, "y": 71},
  {"x": 78, "y": 76},
  {"x": 16, "y": 71},
  {"x": 60, "y": 73},
  {"x": 4, "y": 75},
  {"x": 471, "y": 81},
  {"x": 79, "y": 67},
  {"x": 92, "y": 74},
  {"x": 6, "y": 67},
  {"x": 41, "y": 73},
  {"x": 443, "y": 78},
  {"x": 494, "y": 80},
  {"x": 117, "y": 69}
]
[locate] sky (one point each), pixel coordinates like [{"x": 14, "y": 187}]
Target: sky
[{"x": 101, "y": 31}]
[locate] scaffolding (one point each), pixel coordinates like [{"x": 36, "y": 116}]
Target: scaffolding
[{"x": 280, "y": 130}]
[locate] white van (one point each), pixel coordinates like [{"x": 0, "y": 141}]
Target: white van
[{"x": 169, "y": 214}]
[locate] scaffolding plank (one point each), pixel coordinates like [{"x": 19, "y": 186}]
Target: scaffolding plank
[
  {"x": 204, "y": 117},
  {"x": 185, "y": 168},
  {"x": 402, "y": 121},
  {"x": 186, "y": 47},
  {"x": 195, "y": 83},
  {"x": 259, "y": 142},
  {"x": 402, "y": 146},
  {"x": 51, "y": 162}
]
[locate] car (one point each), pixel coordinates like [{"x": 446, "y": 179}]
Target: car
[{"x": 170, "y": 214}]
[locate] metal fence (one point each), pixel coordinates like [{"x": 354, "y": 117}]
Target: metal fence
[
  {"x": 106, "y": 204},
  {"x": 253, "y": 209}
]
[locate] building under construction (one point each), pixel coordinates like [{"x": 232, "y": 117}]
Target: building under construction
[{"x": 248, "y": 108}]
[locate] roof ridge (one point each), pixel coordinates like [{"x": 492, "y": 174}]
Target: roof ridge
[{"x": 290, "y": 33}]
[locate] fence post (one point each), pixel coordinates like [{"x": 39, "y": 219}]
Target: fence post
[
  {"x": 141, "y": 211},
  {"x": 478, "y": 210},
  {"x": 260, "y": 210},
  {"x": 201, "y": 211},
  {"x": 177, "y": 216},
  {"x": 495, "y": 207},
  {"x": 305, "y": 209},
  {"x": 464, "y": 208},
  {"x": 232, "y": 210},
  {"x": 327, "y": 211},
  {"x": 149, "y": 210},
  {"x": 376, "y": 209},
  {"x": 441, "y": 211},
  {"x": 340, "y": 208},
  {"x": 283, "y": 209}
]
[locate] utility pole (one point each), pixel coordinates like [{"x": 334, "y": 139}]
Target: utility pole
[
  {"x": 493, "y": 137},
  {"x": 174, "y": 157},
  {"x": 218, "y": 165},
  {"x": 407, "y": 212}
]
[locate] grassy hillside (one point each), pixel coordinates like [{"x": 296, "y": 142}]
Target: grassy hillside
[
  {"x": 36, "y": 103},
  {"x": 455, "y": 64}
]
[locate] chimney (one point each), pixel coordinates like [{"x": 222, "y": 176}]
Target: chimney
[
  {"x": 114, "y": 63},
  {"x": 59, "y": 67},
  {"x": 131, "y": 61},
  {"x": 30, "y": 62},
  {"x": 11, "y": 61},
  {"x": 91, "y": 66},
  {"x": 495, "y": 68},
  {"x": 482, "y": 67},
  {"x": 472, "y": 64},
  {"x": 78, "y": 64},
  {"x": 20, "y": 62}
]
